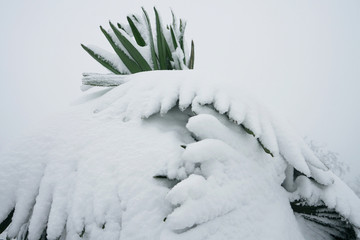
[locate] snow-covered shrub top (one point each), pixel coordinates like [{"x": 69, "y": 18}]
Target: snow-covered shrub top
[
  {"x": 158, "y": 92},
  {"x": 168, "y": 155},
  {"x": 140, "y": 48}
]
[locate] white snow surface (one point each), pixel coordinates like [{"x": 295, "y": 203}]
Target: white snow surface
[{"x": 90, "y": 173}]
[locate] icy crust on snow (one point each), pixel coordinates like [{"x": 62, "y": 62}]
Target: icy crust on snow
[{"x": 146, "y": 94}]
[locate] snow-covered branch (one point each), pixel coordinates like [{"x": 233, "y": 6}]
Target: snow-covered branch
[{"x": 103, "y": 80}]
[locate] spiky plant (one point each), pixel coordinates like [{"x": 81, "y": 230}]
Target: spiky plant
[
  {"x": 139, "y": 48},
  {"x": 327, "y": 220}
]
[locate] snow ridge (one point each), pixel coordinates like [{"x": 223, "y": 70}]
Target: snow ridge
[{"x": 146, "y": 94}]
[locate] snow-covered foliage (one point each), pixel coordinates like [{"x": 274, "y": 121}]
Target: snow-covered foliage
[
  {"x": 171, "y": 155},
  {"x": 139, "y": 49},
  {"x": 329, "y": 158},
  {"x": 355, "y": 185}
]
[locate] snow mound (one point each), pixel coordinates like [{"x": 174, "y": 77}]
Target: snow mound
[
  {"x": 168, "y": 155},
  {"x": 155, "y": 92}
]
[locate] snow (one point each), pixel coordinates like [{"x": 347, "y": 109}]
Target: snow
[
  {"x": 136, "y": 100},
  {"x": 337, "y": 196},
  {"x": 90, "y": 173},
  {"x": 112, "y": 57}
]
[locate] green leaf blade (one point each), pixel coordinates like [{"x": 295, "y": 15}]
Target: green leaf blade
[
  {"x": 121, "y": 27},
  {"x": 138, "y": 38},
  {"x": 182, "y": 32},
  {"x": 160, "y": 42},
  {"x": 192, "y": 56},
  {"x": 128, "y": 62},
  {"x": 134, "y": 53},
  {"x": 6, "y": 222},
  {"x": 151, "y": 38},
  {"x": 173, "y": 38},
  {"x": 100, "y": 59}
]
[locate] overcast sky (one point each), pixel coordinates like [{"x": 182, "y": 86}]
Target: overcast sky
[{"x": 302, "y": 58}]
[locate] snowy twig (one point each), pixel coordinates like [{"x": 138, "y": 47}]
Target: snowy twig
[{"x": 103, "y": 80}]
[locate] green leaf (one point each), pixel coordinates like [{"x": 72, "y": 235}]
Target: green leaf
[
  {"x": 82, "y": 232},
  {"x": 165, "y": 56},
  {"x": 247, "y": 130},
  {"x": 160, "y": 177},
  {"x": 179, "y": 63},
  {"x": 173, "y": 38},
  {"x": 6, "y": 222},
  {"x": 161, "y": 54},
  {"x": 168, "y": 57},
  {"x": 182, "y": 31},
  {"x": 173, "y": 19},
  {"x": 192, "y": 56},
  {"x": 152, "y": 47},
  {"x": 139, "y": 39},
  {"x": 129, "y": 63},
  {"x": 122, "y": 28},
  {"x": 328, "y": 219},
  {"x": 135, "y": 18},
  {"x": 101, "y": 59},
  {"x": 264, "y": 148},
  {"x": 160, "y": 42},
  {"x": 134, "y": 53}
]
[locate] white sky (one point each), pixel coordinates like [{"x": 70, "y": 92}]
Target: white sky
[{"x": 302, "y": 58}]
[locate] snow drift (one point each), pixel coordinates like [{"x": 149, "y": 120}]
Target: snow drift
[{"x": 171, "y": 155}]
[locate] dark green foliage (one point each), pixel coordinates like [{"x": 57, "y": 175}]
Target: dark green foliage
[
  {"x": 6, "y": 222},
  {"x": 161, "y": 53},
  {"x": 192, "y": 56},
  {"x": 102, "y": 60},
  {"x": 82, "y": 232},
  {"x": 247, "y": 130},
  {"x": 182, "y": 31},
  {"x": 160, "y": 177},
  {"x": 173, "y": 38},
  {"x": 160, "y": 42},
  {"x": 139, "y": 39},
  {"x": 129, "y": 63},
  {"x": 137, "y": 20},
  {"x": 134, "y": 53},
  {"x": 121, "y": 27},
  {"x": 265, "y": 149},
  {"x": 328, "y": 220},
  {"x": 151, "y": 38}
]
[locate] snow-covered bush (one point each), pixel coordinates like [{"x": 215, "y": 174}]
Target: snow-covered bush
[
  {"x": 355, "y": 185},
  {"x": 329, "y": 158},
  {"x": 170, "y": 155},
  {"x": 166, "y": 151}
]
